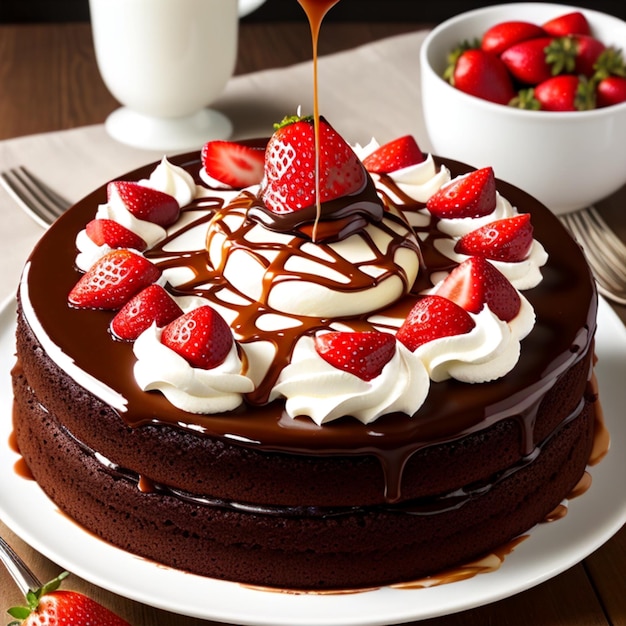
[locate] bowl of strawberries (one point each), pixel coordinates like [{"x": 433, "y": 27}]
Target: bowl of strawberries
[{"x": 535, "y": 90}]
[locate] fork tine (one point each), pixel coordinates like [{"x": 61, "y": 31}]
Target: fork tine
[
  {"x": 39, "y": 200},
  {"x": 614, "y": 260},
  {"x": 608, "y": 265},
  {"x": 609, "y": 237}
]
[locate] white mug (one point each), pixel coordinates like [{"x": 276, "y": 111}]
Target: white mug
[{"x": 165, "y": 61}]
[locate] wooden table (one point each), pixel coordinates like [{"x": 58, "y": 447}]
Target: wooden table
[{"x": 50, "y": 82}]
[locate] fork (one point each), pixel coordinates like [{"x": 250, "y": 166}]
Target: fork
[
  {"x": 605, "y": 251},
  {"x": 19, "y": 571},
  {"x": 41, "y": 202}
]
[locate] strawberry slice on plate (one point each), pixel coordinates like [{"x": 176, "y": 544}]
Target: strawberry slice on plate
[
  {"x": 52, "y": 606},
  {"x": 472, "y": 195},
  {"x": 233, "y": 164},
  {"x": 152, "y": 305},
  {"x": 394, "y": 155},
  {"x": 201, "y": 336},
  {"x": 476, "y": 283},
  {"x": 508, "y": 240},
  {"x": 363, "y": 354},
  {"x": 145, "y": 203},
  {"x": 290, "y": 166},
  {"x": 431, "y": 318},
  {"x": 111, "y": 233},
  {"x": 113, "y": 280}
]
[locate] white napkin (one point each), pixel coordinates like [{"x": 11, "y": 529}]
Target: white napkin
[{"x": 373, "y": 90}]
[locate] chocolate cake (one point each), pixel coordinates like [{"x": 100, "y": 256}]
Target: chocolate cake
[{"x": 267, "y": 494}]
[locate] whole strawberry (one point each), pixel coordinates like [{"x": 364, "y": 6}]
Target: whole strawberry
[
  {"x": 49, "y": 606},
  {"x": 480, "y": 74},
  {"x": 611, "y": 90},
  {"x": 290, "y": 166}
]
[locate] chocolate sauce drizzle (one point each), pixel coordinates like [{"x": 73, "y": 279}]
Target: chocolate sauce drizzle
[{"x": 562, "y": 335}]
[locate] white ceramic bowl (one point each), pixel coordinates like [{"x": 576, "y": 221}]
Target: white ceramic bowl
[{"x": 567, "y": 160}]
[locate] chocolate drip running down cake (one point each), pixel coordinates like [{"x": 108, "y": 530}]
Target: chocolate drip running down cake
[{"x": 284, "y": 463}]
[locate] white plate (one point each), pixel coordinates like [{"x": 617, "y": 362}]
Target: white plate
[{"x": 552, "y": 548}]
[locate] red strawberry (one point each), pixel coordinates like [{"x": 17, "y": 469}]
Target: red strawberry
[
  {"x": 526, "y": 61},
  {"x": 201, "y": 336},
  {"x": 472, "y": 195},
  {"x": 151, "y": 305},
  {"x": 565, "y": 93},
  {"x": 114, "y": 235},
  {"x": 577, "y": 54},
  {"x": 50, "y": 606},
  {"x": 476, "y": 282},
  {"x": 233, "y": 164},
  {"x": 433, "y": 317},
  {"x": 395, "y": 155},
  {"x": 290, "y": 166},
  {"x": 480, "y": 74},
  {"x": 363, "y": 354},
  {"x": 506, "y": 240},
  {"x": 574, "y": 23},
  {"x": 506, "y": 34},
  {"x": 145, "y": 203},
  {"x": 113, "y": 280},
  {"x": 588, "y": 51},
  {"x": 611, "y": 90}
]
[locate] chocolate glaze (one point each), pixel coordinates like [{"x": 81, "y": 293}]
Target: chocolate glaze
[
  {"x": 332, "y": 221},
  {"x": 562, "y": 335}
]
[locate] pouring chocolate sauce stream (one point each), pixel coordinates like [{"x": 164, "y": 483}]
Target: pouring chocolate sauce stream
[{"x": 315, "y": 11}]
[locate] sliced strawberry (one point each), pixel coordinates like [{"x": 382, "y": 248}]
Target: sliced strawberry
[
  {"x": 472, "y": 195},
  {"x": 111, "y": 233},
  {"x": 431, "y": 318},
  {"x": 290, "y": 166},
  {"x": 50, "y": 606},
  {"x": 526, "y": 61},
  {"x": 476, "y": 282},
  {"x": 363, "y": 354},
  {"x": 113, "y": 280},
  {"x": 201, "y": 336},
  {"x": 233, "y": 164},
  {"x": 480, "y": 74},
  {"x": 145, "y": 203},
  {"x": 395, "y": 155},
  {"x": 574, "y": 23},
  {"x": 508, "y": 240},
  {"x": 506, "y": 34},
  {"x": 151, "y": 305}
]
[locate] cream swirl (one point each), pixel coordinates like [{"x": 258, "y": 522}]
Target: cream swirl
[
  {"x": 524, "y": 274},
  {"x": 89, "y": 252},
  {"x": 297, "y": 277},
  {"x": 489, "y": 351},
  {"x": 189, "y": 388},
  {"x": 315, "y": 388},
  {"x": 173, "y": 180}
]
